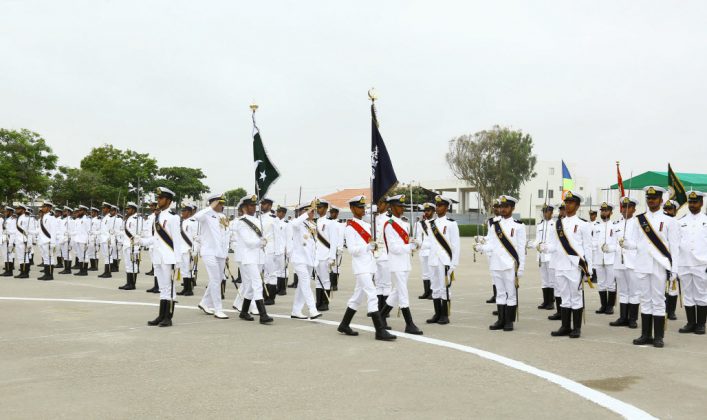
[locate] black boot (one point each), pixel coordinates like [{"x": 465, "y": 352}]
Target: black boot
[
  {"x": 492, "y": 299},
  {"x": 501, "y": 321},
  {"x": 270, "y": 296},
  {"x": 114, "y": 266},
  {"x": 47, "y": 273},
  {"x": 93, "y": 264},
  {"x": 381, "y": 302},
  {"x": 83, "y": 269},
  {"x": 410, "y": 326},
  {"x": 510, "y": 317},
  {"x": 633, "y": 315},
  {"x": 344, "y": 327},
  {"x": 334, "y": 279},
  {"x": 623, "y": 316},
  {"x": 547, "y": 299},
  {"x": 646, "y": 330},
  {"x": 437, "y": 303},
  {"x": 59, "y": 262},
  {"x": 444, "y": 314},
  {"x": 671, "y": 303},
  {"x": 149, "y": 273},
  {"x": 127, "y": 282},
  {"x": 188, "y": 287},
  {"x": 427, "y": 291},
  {"x": 67, "y": 268},
  {"x": 381, "y": 332},
  {"x": 317, "y": 298},
  {"x": 264, "y": 318},
  {"x": 384, "y": 314},
  {"x": 565, "y": 329},
  {"x": 76, "y": 261},
  {"x": 155, "y": 288},
  {"x": 106, "y": 272},
  {"x": 24, "y": 272},
  {"x": 132, "y": 278},
  {"x": 691, "y": 314},
  {"x": 557, "y": 315},
  {"x": 659, "y": 331},
  {"x": 223, "y": 289},
  {"x": 244, "y": 310},
  {"x": 610, "y": 303},
  {"x": 577, "y": 323},
  {"x": 603, "y": 296},
  {"x": 701, "y": 316},
  {"x": 7, "y": 272},
  {"x": 325, "y": 301},
  {"x": 295, "y": 280},
  {"x": 168, "y": 313},
  {"x": 160, "y": 317},
  {"x": 282, "y": 286}
]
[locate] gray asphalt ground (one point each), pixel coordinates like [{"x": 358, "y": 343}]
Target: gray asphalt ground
[{"x": 99, "y": 360}]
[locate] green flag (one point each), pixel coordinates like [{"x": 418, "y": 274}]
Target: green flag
[
  {"x": 675, "y": 187},
  {"x": 265, "y": 172}
]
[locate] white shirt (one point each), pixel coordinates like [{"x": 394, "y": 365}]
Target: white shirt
[
  {"x": 422, "y": 234},
  {"x": 603, "y": 233},
  {"x": 499, "y": 257},
  {"x": 624, "y": 258},
  {"x": 49, "y": 232},
  {"x": 162, "y": 252},
  {"x": 668, "y": 230},
  {"x": 693, "y": 244},
  {"x": 579, "y": 235},
  {"x": 214, "y": 232},
  {"x": 280, "y": 236},
  {"x": 541, "y": 235},
  {"x": 327, "y": 229},
  {"x": 398, "y": 251},
  {"x": 82, "y": 226},
  {"x": 304, "y": 242},
  {"x": 450, "y": 231},
  {"x": 135, "y": 226},
  {"x": 249, "y": 241},
  {"x": 362, "y": 261}
]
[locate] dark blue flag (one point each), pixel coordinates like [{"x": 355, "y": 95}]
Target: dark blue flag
[{"x": 383, "y": 177}]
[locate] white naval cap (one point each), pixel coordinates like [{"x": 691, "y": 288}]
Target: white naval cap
[
  {"x": 426, "y": 206},
  {"x": 505, "y": 199},
  {"x": 571, "y": 195},
  {"x": 47, "y": 203},
  {"x": 606, "y": 206},
  {"x": 321, "y": 202},
  {"x": 654, "y": 190},
  {"x": 10, "y": 208},
  {"x": 671, "y": 204},
  {"x": 82, "y": 207},
  {"x": 396, "y": 199},
  {"x": 333, "y": 208},
  {"x": 442, "y": 200},
  {"x": 165, "y": 192},
  {"x": 131, "y": 204},
  {"x": 67, "y": 208},
  {"x": 214, "y": 197},
  {"x": 22, "y": 206},
  {"x": 106, "y": 204},
  {"x": 358, "y": 201},
  {"x": 628, "y": 200},
  {"x": 693, "y": 195}
]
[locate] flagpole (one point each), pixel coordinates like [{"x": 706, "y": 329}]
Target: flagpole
[{"x": 372, "y": 96}]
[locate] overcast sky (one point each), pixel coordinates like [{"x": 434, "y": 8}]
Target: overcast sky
[{"x": 592, "y": 82}]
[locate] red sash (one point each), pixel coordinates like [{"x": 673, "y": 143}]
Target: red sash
[
  {"x": 360, "y": 230},
  {"x": 399, "y": 230}
]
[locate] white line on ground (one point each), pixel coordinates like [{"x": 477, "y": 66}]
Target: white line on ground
[{"x": 610, "y": 403}]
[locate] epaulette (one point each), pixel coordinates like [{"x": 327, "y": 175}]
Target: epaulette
[
  {"x": 450, "y": 219},
  {"x": 617, "y": 221},
  {"x": 520, "y": 222},
  {"x": 272, "y": 215},
  {"x": 173, "y": 212}
]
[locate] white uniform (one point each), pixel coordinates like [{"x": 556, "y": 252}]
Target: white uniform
[
  {"x": 440, "y": 261},
  {"x": 94, "y": 238},
  {"x": 692, "y": 261},
  {"x": 47, "y": 238},
  {"x": 382, "y": 276},
  {"x": 63, "y": 235},
  {"x": 399, "y": 255},
  {"x": 501, "y": 262},
  {"x": 327, "y": 243},
  {"x": 281, "y": 241},
  {"x": 363, "y": 265},
  {"x": 188, "y": 230},
  {"x": 268, "y": 221},
  {"x": 131, "y": 249},
  {"x": 422, "y": 236},
  {"x": 604, "y": 252},
  {"x": 22, "y": 239},
  {"x": 82, "y": 226},
  {"x": 253, "y": 258},
  {"x": 213, "y": 240},
  {"x": 106, "y": 238},
  {"x": 9, "y": 229},
  {"x": 547, "y": 274},
  {"x": 118, "y": 233},
  {"x": 624, "y": 265},
  {"x": 303, "y": 257},
  {"x": 165, "y": 248}
]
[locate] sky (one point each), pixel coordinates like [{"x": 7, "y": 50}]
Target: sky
[{"x": 593, "y": 82}]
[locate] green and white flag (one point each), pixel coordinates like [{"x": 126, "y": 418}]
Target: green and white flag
[
  {"x": 265, "y": 172},
  {"x": 676, "y": 188}
]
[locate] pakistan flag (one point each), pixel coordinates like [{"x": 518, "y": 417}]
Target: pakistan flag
[{"x": 265, "y": 171}]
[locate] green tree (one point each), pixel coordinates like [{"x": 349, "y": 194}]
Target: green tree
[
  {"x": 496, "y": 161},
  {"x": 116, "y": 169},
  {"x": 233, "y": 196},
  {"x": 185, "y": 182},
  {"x": 76, "y": 186},
  {"x": 25, "y": 164},
  {"x": 419, "y": 194}
]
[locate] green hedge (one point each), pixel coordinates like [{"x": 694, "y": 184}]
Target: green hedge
[{"x": 471, "y": 230}]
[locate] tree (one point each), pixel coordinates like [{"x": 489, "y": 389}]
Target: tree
[
  {"x": 419, "y": 194},
  {"x": 76, "y": 186},
  {"x": 116, "y": 169},
  {"x": 496, "y": 161},
  {"x": 185, "y": 182},
  {"x": 25, "y": 163},
  {"x": 233, "y": 196}
]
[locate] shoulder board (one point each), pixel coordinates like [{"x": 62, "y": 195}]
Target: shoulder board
[
  {"x": 273, "y": 216},
  {"x": 172, "y": 212},
  {"x": 682, "y": 217},
  {"x": 584, "y": 220},
  {"x": 617, "y": 221},
  {"x": 450, "y": 219},
  {"x": 518, "y": 221}
]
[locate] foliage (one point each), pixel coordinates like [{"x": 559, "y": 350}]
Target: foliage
[
  {"x": 185, "y": 182},
  {"x": 25, "y": 164},
  {"x": 233, "y": 196}
]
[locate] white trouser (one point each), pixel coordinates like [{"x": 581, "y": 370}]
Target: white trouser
[
  {"x": 399, "y": 296},
  {"x": 382, "y": 278},
  {"x": 238, "y": 301},
  {"x": 439, "y": 288},
  {"x": 280, "y": 270},
  {"x": 106, "y": 253},
  {"x": 80, "y": 251},
  {"x": 65, "y": 251},
  {"x": 185, "y": 265},
  {"x": 116, "y": 250},
  {"x": 505, "y": 281},
  {"x": 570, "y": 288},
  {"x": 48, "y": 254},
  {"x": 364, "y": 286},
  {"x": 605, "y": 278},
  {"x": 627, "y": 285},
  {"x": 91, "y": 251},
  {"x": 21, "y": 253},
  {"x": 303, "y": 294},
  {"x": 5, "y": 254},
  {"x": 131, "y": 262},
  {"x": 212, "y": 294},
  {"x": 425, "y": 267},
  {"x": 163, "y": 272},
  {"x": 322, "y": 269},
  {"x": 547, "y": 278},
  {"x": 652, "y": 287},
  {"x": 694, "y": 287},
  {"x": 252, "y": 283},
  {"x": 270, "y": 269}
]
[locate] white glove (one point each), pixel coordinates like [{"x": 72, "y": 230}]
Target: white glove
[
  {"x": 520, "y": 272},
  {"x": 331, "y": 262},
  {"x": 371, "y": 246},
  {"x": 673, "y": 276},
  {"x": 111, "y": 232},
  {"x": 542, "y": 247},
  {"x": 196, "y": 239},
  {"x": 263, "y": 242},
  {"x": 478, "y": 247},
  {"x": 480, "y": 239},
  {"x": 605, "y": 248},
  {"x": 451, "y": 269},
  {"x": 340, "y": 250}
]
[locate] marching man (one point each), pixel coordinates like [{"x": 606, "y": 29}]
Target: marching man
[
  {"x": 165, "y": 241},
  {"x": 360, "y": 244},
  {"x": 693, "y": 263},
  {"x": 657, "y": 242},
  {"x": 327, "y": 243},
  {"x": 604, "y": 252},
  {"x": 400, "y": 249},
  {"x": 214, "y": 251},
  {"x": 188, "y": 230},
  {"x": 444, "y": 259},
  {"x": 505, "y": 246},
  {"x": 302, "y": 250},
  {"x": 571, "y": 246},
  {"x": 131, "y": 251}
]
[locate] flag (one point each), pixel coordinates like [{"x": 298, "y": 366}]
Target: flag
[
  {"x": 383, "y": 177},
  {"x": 567, "y": 181},
  {"x": 265, "y": 172},
  {"x": 675, "y": 187},
  {"x": 621, "y": 180}
]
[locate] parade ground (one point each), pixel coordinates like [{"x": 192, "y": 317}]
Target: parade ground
[{"x": 77, "y": 347}]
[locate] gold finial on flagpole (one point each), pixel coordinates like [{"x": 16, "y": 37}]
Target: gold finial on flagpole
[
  {"x": 253, "y": 106},
  {"x": 372, "y": 95}
]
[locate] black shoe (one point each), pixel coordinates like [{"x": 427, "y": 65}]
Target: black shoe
[
  {"x": 114, "y": 266},
  {"x": 244, "y": 311},
  {"x": 127, "y": 282},
  {"x": 509, "y": 317},
  {"x": 610, "y": 303},
  {"x": 270, "y": 296},
  {"x": 169, "y": 311},
  {"x": 325, "y": 300},
  {"x": 155, "y": 288},
  {"x": 344, "y": 327},
  {"x": 501, "y": 321},
  {"x": 444, "y": 313},
  {"x": 67, "y": 268},
  {"x": 384, "y": 314},
  {"x": 151, "y": 272},
  {"x": 548, "y": 303},
  {"x": 160, "y": 317},
  {"x": 659, "y": 331},
  {"x": 577, "y": 323},
  {"x": 565, "y": 314},
  {"x": 691, "y": 314},
  {"x": 7, "y": 272},
  {"x": 93, "y": 264},
  {"x": 264, "y": 318},
  {"x": 437, "y": 303},
  {"x": 646, "y": 331},
  {"x": 47, "y": 273},
  {"x": 671, "y": 303},
  {"x": 557, "y": 315},
  {"x": 381, "y": 332},
  {"x": 701, "y": 319},
  {"x": 132, "y": 278},
  {"x": 603, "y": 296},
  {"x": 427, "y": 290},
  {"x": 106, "y": 272},
  {"x": 282, "y": 286},
  {"x": 633, "y": 315},
  {"x": 622, "y": 321},
  {"x": 492, "y": 299},
  {"x": 186, "y": 282},
  {"x": 83, "y": 269},
  {"x": 24, "y": 272},
  {"x": 410, "y": 326},
  {"x": 59, "y": 262}
]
